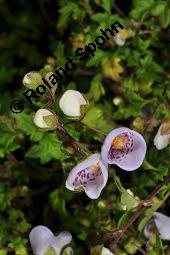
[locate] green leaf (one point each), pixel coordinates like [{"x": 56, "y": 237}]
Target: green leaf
[
  {"x": 25, "y": 124},
  {"x": 128, "y": 200},
  {"x": 96, "y": 60},
  {"x": 107, "y": 4},
  {"x": 96, "y": 90},
  {"x": 94, "y": 117},
  {"x": 124, "y": 218},
  {"x": 3, "y": 252},
  {"x": 47, "y": 149},
  {"x": 165, "y": 17},
  {"x": 100, "y": 17},
  {"x": 8, "y": 139},
  {"x": 159, "y": 246},
  {"x": 142, "y": 7},
  {"x": 58, "y": 203},
  {"x": 158, "y": 8},
  {"x": 67, "y": 11}
]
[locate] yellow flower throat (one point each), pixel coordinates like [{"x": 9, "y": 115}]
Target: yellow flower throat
[{"x": 119, "y": 142}]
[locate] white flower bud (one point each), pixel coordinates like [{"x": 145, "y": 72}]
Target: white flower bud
[
  {"x": 72, "y": 103},
  {"x": 105, "y": 251},
  {"x": 162, "y": 138},
  {"x": 32, "y": 80},
  {"x": 45, "y": 119},
  {"x": 119, "y": 41}
]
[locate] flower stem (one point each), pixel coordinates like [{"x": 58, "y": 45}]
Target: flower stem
[
  {"x": 79, "y": 147},
  {"x": 92, "y": 128},
  {"x": 139, "y": 210}
]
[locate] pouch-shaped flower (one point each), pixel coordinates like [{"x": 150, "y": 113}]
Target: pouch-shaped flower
[
  {"x": 125, "y": 148},
  {"x": 160, "y": 224},
  {"x": 42, "y": 239},
  {"x": 91, "y": 175}
]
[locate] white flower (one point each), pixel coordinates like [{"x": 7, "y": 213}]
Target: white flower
[
  {"x": 105, "y": 251},
  {"x": 42, "y": 239},
  {"x": 125, "y": 148},
  {"x": 71, "y": 103},
  {"x": 45, "y": 119},
  {"x": 119, "y": 41},
  {"x": 162, "y": 138},
  {"x": 32, "y": 80},
  {"x": 91, "y": 175},
  {"x": 159, "y": 224}
]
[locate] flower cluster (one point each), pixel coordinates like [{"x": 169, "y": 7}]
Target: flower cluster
[{"x": 123, "y": 147}]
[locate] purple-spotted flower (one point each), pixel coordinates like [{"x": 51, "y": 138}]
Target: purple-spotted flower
[
  {"x": 44, "y": 242},
  {"x": 125, "y": 148},
  {"x": 91, "y": 175},
  {"x": 160, "y": 224}
]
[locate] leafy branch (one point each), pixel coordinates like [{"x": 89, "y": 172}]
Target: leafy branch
[{"x": 138, "y": 211}]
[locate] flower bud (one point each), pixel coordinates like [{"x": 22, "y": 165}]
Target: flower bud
[
  {"x": 105, "y": 251},
  {"x": 132, "y": 246},
  {"x": 32, "y": 80},
  {"x": 45, "y": 119},
  {"x": 162, "y": 138},
  {"x": 73, "y": 104},
  {"x": 68, "y": 251},
  {"x": 122, "y": 36}
]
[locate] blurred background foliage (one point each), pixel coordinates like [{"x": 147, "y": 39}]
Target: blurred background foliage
[{"x": 126, "y": 85}]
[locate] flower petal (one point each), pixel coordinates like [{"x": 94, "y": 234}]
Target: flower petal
[
  {"x": 148, "y": 227},
  {"x": 162, "y": 223},
  {"x": 94, "y": 188},
  {"x": 91, "y": 174},
  {"x": 61, "y": 240},
  {"x": 40, "y": 238},
  {"x": 132, "y": 156}
]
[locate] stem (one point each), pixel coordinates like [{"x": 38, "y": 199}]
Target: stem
[
  {"x": 156, "y": 107},
  {"x": 118, "y": 10},
  {"x": 139, "y": 210},
  {"x": 94, "y": 129},
  {"x": 80, "y": 147},
  {"x": 86, "y": 125}
]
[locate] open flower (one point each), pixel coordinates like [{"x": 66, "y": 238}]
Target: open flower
[
  {"x": 160, "y": 224},
  {"x": 91, "y": 175},
  {"x": 125, "y": 148},
  {"x": 45, "y": 119},
  {"x": 42, "y": 239},
  {"x": 72, "y": 103},
  {"x": 162, "y": 138}
]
